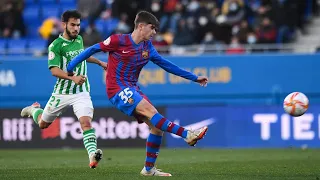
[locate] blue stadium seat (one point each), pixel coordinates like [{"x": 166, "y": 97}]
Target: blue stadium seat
[
  {"x": 27, "y": 2},
  {"x": 32, "y": 30},
  {"x": 31, "y": 14},
  {"x": 106, "y": 27},
  {"x": 38, "y": 45},
  {"x": 17, "y": 46},
  {"x": 68, "y": 3},
  {"x": 3, "y": 46},
  {"x": 84, "y": 23},
  {"x": 48, "y": 2},
  {"x": 100, "y": 24},
  {"x": 50, "y": 11},
  {"x": 65, "y": 7},
  {"x": 111, "y": 25}
]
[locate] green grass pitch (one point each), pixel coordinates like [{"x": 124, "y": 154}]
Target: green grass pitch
[{"x": 191, "y": 163}]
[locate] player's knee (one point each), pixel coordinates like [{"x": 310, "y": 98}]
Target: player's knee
[{"x": 43, "y": 125}]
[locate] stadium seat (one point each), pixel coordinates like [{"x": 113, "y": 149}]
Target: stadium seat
[
  {"x": 65, "y": 7},
  {"x": 31, "y": 14},
  {"x": 3, "y": 46},
  {"x": 32, "y": 30},
  {"x": 84, "y": 23},
  {"x": 68, "y": 3},
  {"x": 111, "y": 25},
  {"x": 27, "y": 2},
  {"x": 48, "y": 2},
  {"x": 100, "y": 25},
  {"x": 39, "y": 45},
  {"x": 17, "y": 46},
  {"x": 106, "y": 27},
  {"x": 50, "y": 11}
]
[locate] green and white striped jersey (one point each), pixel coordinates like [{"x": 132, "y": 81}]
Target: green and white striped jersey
[{"x": 60, "y": 53}]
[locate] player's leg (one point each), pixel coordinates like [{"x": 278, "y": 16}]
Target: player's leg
[
  {"x": 83, "y": 109},
  {"x": 131, "y": 102},
  {"x": 153, "y": 145},
  {"x": 156, "y": 119},
  {"x": 41, "y": 117}
]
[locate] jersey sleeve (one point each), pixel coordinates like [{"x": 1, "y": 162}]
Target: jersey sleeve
[
  {"x": 169, "y": 66},
  {"x": 110, "y": 44},
  {"x": 54, "y": 57}
]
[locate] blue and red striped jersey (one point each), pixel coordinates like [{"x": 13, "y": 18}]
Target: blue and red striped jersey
[{"x": 126, "y": 59}]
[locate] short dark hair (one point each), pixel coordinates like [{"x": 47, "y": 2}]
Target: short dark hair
[
  {"x": 145, "y": 17},
  {"x": 70, "y": 14}
]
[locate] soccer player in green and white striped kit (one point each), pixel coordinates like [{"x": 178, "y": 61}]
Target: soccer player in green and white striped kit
[{"x": 69, "y": 90}]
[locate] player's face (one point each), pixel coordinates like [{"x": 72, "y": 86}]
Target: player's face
[
  {"x": 148, "y": 31},
  {"x": 72, "y": 27}
]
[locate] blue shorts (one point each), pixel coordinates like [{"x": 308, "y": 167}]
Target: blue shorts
[{"x": 127, "y": 100}]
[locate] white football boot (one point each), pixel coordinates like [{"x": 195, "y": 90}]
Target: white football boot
[
  {"x": 95, "y": 158},
  {"x": 27, "y": 111},
  {"x": 153, "y": 172},
  {"x": 194, "y": 136}
]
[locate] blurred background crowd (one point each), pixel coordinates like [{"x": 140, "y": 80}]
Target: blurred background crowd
[{"x": 36, "y": 23}]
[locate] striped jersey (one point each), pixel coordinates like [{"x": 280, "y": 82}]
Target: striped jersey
[
  {"x": 126, "y": 60},
  {"x": 60, "y": 53}
]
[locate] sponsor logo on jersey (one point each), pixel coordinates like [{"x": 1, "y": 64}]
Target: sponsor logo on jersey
[{"x": 74, "y": 53}]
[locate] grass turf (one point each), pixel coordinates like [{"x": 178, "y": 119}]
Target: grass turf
[{"x": 228, "y": 164}]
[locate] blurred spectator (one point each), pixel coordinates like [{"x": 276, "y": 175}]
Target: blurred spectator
[
  {"x": 208, "y": 38},
  {"x": 232, "y": 12},
  {"x": 266, "y": 32},
  {"x": 90, "y": 9},
  {"x": 182, "y": 22},
  {"x": 172, "y": 12},
  {"x": 123, "y": 27},
  {"x": 50, "y": 26},
  {"x": 11, "y": 21},
  {"x": 285, "y": 16},
  {"x": 243, "y": 31},
  {"x": 251, "y": 38},
  {"x": 184, "y": 35},
  {"x": 91, "y": 35},
  {"x": 235, "y": 47}
]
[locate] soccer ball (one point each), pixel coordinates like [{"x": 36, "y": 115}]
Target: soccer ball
[{"x": 296, "y": 104}]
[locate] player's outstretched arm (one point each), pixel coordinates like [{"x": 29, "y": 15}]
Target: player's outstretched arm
[
  {"x": 83, "y": 56},
  {"x": 174, "y": 69}
]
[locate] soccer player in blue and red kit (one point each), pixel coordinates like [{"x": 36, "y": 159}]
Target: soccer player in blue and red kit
[{"x": 128, "y": 54}]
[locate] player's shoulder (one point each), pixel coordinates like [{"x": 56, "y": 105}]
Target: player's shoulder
[
  {"x": 55, "y": 43},
  {"x": 114, "y": 39}
]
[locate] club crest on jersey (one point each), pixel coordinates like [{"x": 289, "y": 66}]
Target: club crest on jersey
[
  {"x": 51, "y": 55},
  {"x": 145, "y": 54},
  {"x": 130, "y": 101}
]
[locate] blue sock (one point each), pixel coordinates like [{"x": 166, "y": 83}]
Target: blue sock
[
  {"x": 152, "y": 149},
  {"x": 164, "y": 124}
]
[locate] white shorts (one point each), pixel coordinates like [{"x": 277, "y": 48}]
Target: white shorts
[{"x": 58, "y": 103}]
